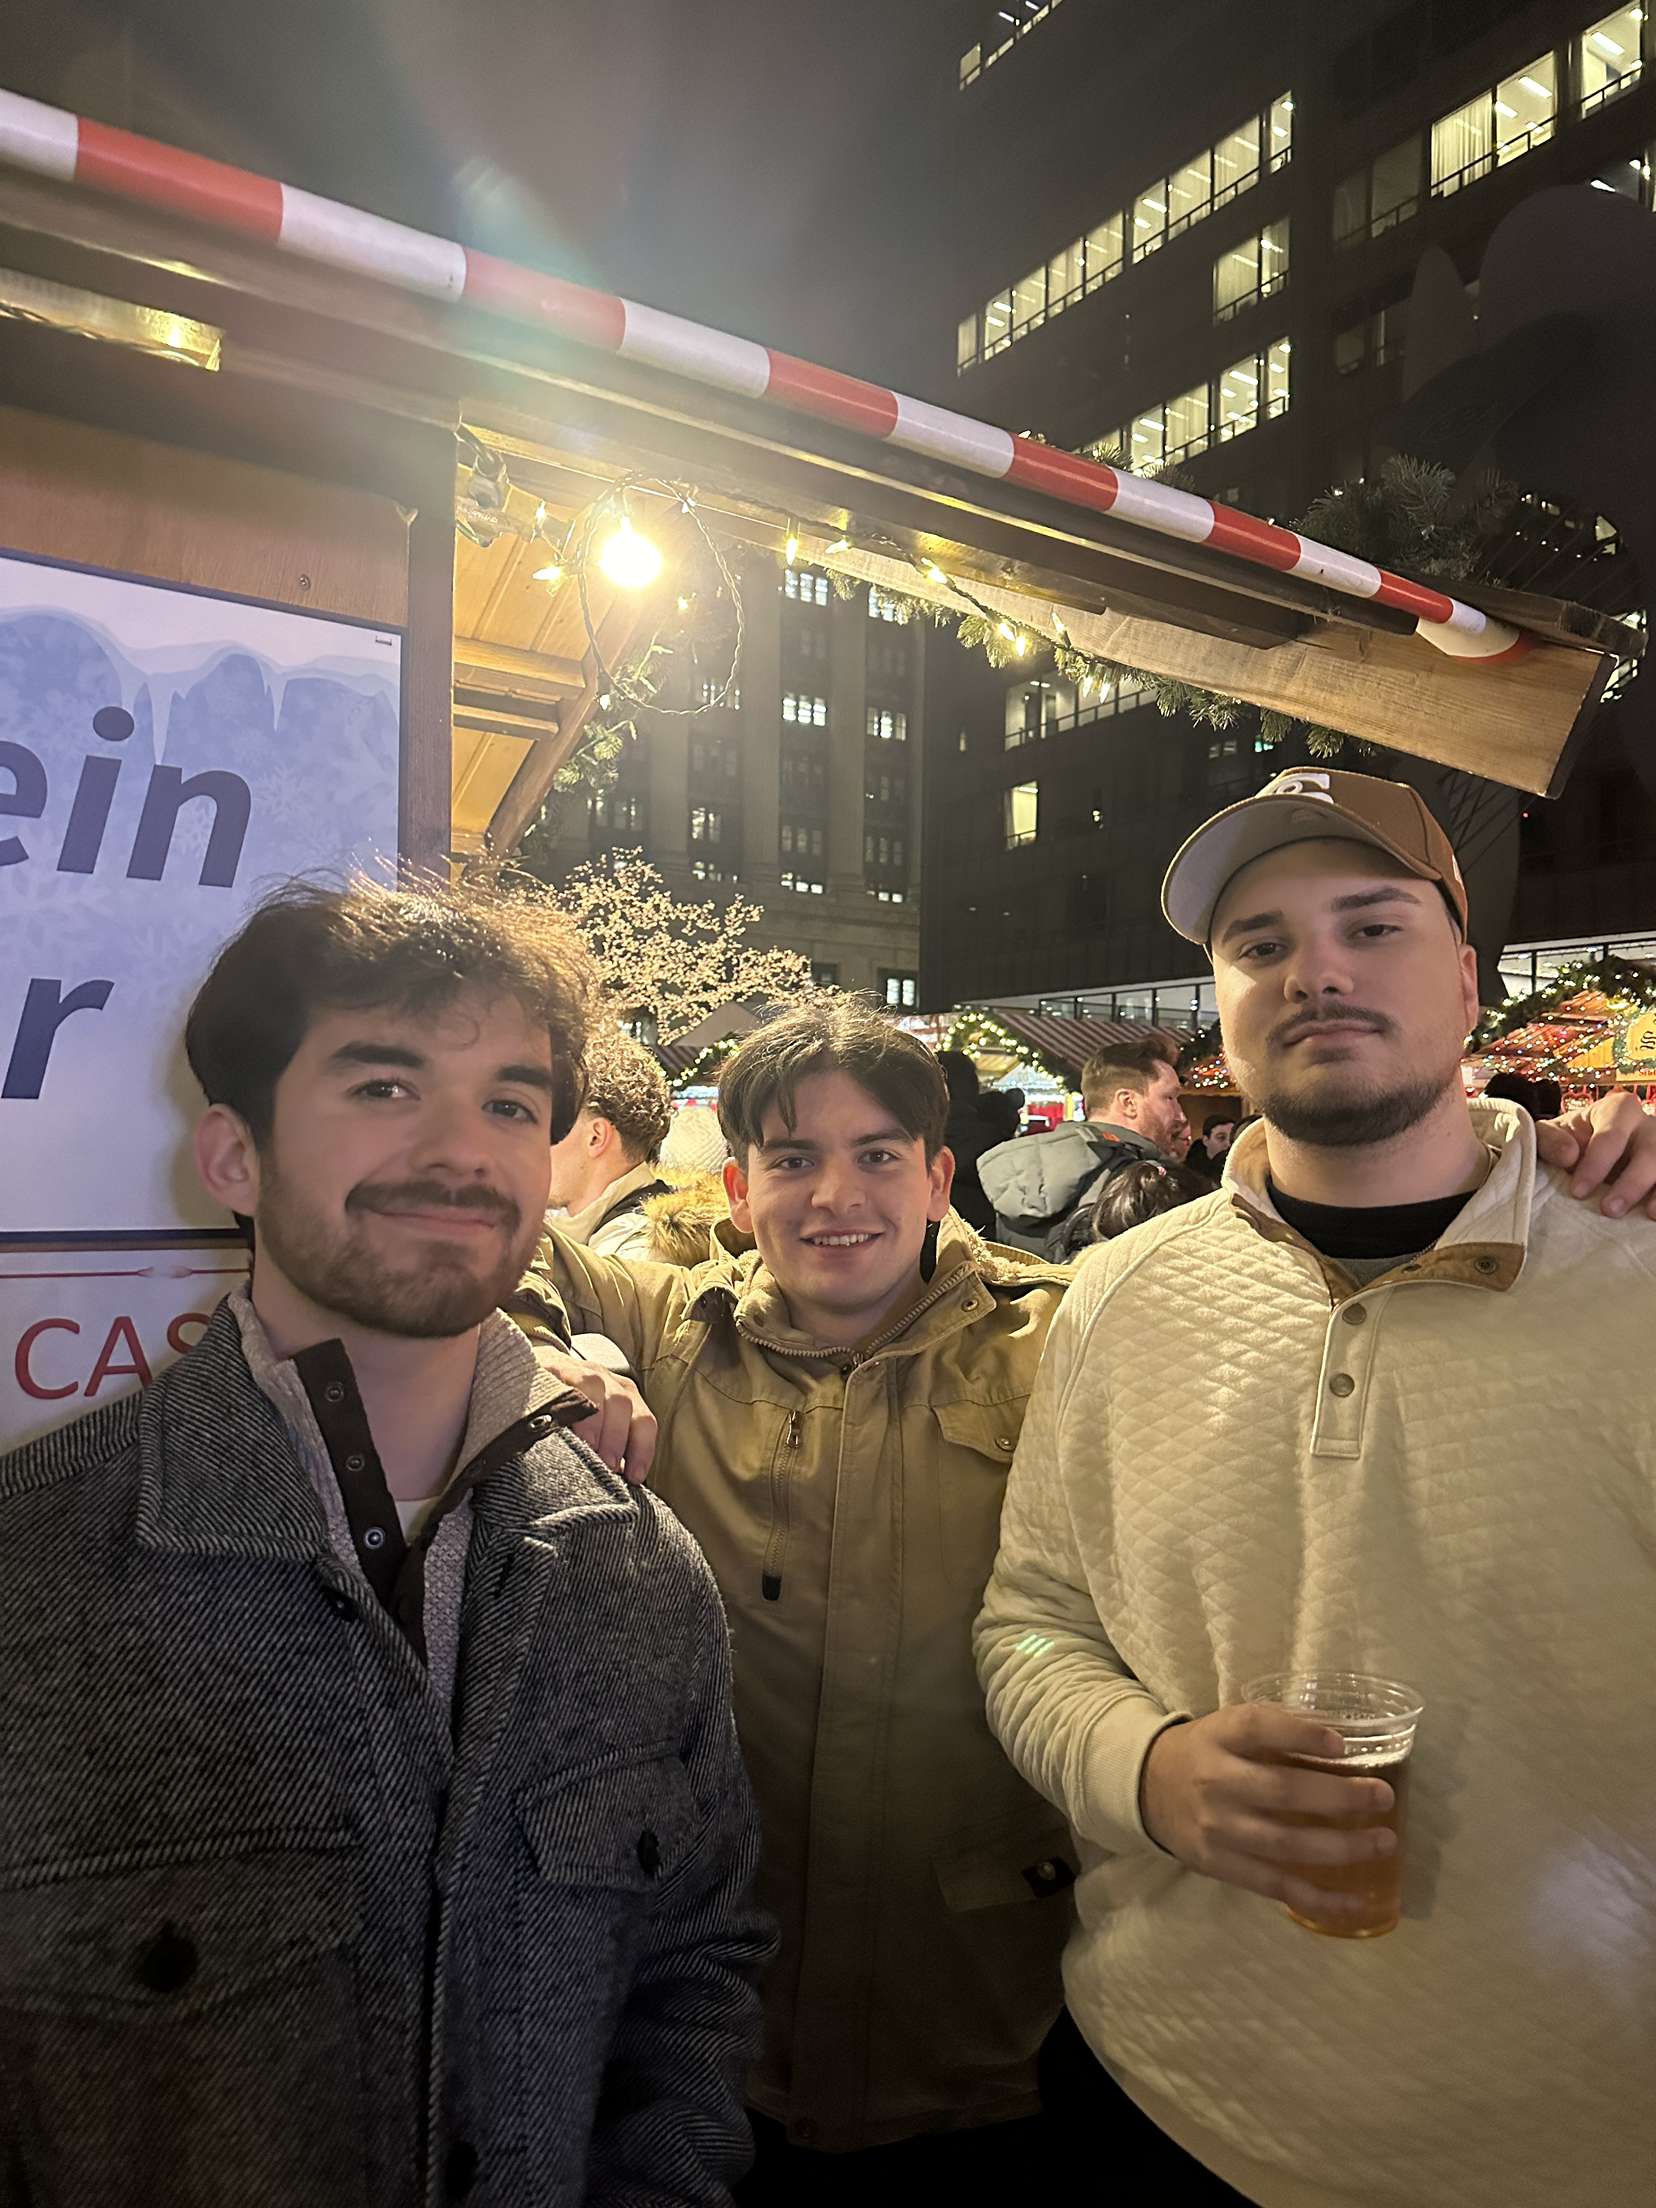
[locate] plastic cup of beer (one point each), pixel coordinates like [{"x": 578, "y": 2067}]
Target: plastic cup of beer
[{"x": 1376, "y": 1719}]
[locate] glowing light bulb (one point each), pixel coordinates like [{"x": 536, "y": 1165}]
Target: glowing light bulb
[
  {"x": 792, "y": 548},
  {"x": 934, "y": 574},
  {"x": 552, "y": 574},
  {"x": 628, "y": 558}
]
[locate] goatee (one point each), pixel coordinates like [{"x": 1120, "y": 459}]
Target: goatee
[{"x": 1351, "y": 1122}]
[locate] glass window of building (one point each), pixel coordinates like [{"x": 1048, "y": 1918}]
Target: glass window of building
[
  {"x": 706, "y": 824},
  {"x": 1189, "y": 194},
  {"x": 997, "y": 324},
  {"x": 1238, "y": 397},
  {"x": 1021, "y": 813},
  {"x": 969, "y": 342},
  {"x": 1254, "y": 270},
  {"x": 707, "y": 870},
  {"x": 1029, "y": 302},
  {"x": 1282, "y": 130},
  {"x": 1463, "y": 144},
  {"x": 1609, "y": 57},
  {"x": 805, "y": 585},
  {"x": 804, "y": 712},
  {"x": 1147, "y": 441},
  {"x": 1350, "y": 348},
  {"x": 887, "y": 725},
  {"x": 1526, "y": 104},
  {"x": 1066, "y": 273},
  {"x": 1236, "y": 161},
  {"x": 824, "y": 975},
  {"x": 1395, "y": 192},
  {"x": 1276, "y": 377},
  {"x": 884, "y": 608},
  {"x": 971, "y": 66},
  {"x": 1106, "y": 251},
  {"x": 1187, "y": 423},
  {"x": 1149, "y": 221},
  {"x": 1350, "y": 208},
  {"x": 899, "y": 991}
]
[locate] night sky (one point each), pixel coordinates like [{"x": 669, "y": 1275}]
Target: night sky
[{"x": 740, "y": 161}]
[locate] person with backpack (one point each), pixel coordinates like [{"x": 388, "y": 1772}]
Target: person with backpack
[{"x": 1040, "y": 1184}]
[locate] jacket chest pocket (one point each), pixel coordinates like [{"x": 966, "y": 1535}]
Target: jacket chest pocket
[
  {"x": 982, "y": 1439},
  {"x": 187, "y": 2033},
  {"x": 606, "y": 1842}
]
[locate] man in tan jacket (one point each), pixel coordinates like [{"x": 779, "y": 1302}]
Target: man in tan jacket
[{"x": 1374, "y": 1407}]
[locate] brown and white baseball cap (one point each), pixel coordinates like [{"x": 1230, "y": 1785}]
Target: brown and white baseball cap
[{"x": 1303, "y": 805}]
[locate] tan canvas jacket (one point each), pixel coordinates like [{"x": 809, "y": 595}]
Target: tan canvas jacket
[{"x": 850, "y": 1506}]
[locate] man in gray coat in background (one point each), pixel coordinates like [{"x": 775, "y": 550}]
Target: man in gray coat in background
[
  {"x": 373, "y": 1832},
  {"x": 1039, "y": 1184}
]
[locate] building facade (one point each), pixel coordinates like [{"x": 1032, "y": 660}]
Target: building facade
[
  {"x": 801, "y": 789},
  {"x": 1191, "y": 240}
]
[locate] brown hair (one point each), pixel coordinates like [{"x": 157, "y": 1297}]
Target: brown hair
[
  {"x": 627, "y": 1087},
  {"x": 1121, "y": 1066},
  {"x": 310, "y": 949},
  {"x": 832, "y": 1034}
]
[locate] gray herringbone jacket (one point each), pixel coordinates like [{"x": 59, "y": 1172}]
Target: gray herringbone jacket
[{"x": 270, "y": 1935}]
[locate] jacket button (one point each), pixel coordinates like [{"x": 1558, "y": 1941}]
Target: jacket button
[
  {"x": 1487, "y": 1264},
  {"x": 340, "y": 1603},
  {"x": 460, "y": 2170},
  {"x": 970, "y": 1304},
  {"x": 356, "y": 1461},
  {"x": 166, "y": 1963},
  {"x": 373, "y": 1537},
  {"x": 334, "y": 1392},
  {"x": 1354, "y": 1315},
  {"x": 1004, "y": 1441},
  {"x": 649, "y": 1854},
  {"x": 1341, "y": 1384}
]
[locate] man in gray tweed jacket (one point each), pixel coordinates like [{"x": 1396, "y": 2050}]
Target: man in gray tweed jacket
[{"x": 373, "y": 1832}]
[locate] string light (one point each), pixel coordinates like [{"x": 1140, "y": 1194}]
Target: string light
[
  {"x": 934, "y": 574},
  {"x": 791, "y": 548},
  {"x": 628, "y": 558},
  {"x": 552, "y": 574}
]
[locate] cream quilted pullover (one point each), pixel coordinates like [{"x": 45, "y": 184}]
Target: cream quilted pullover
[{"x": 1236, "y": 1461}]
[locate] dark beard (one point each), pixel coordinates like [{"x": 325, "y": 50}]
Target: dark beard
[
  {"x": 432, "y": 1298},
  {"x": 1351, "y": 1122}
]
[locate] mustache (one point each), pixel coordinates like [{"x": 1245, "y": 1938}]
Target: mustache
[
  {"x": 470, "y": 1203},
  {"x": 1344, "y": 1015}
]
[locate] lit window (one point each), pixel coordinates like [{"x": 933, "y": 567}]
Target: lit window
[
  {"x": 1497, "y": 126},
  {"x": 1254, "y": 270},
  {"x": 805, "y": 585},
  {"x": 804, "y": 712},
  {"x": 887, "y": 726},
  {"x": 1029, "y": 302},
  {"x": 1149, "y": 221},
  {"x": 705, "y": 870},
  {"x": 1021, "y": 813},
  {"x": 1066, "y": 274},
  {"x": 1187, "y": 423},
  {"x": 1238, "y": 396},
  {"x": 1281, "y": 143},
  {"x": 706, "y": 825},
  {"x": 1609, "y": 57},
  {"x": 969, "y": 344},
  {"x": 1189, "y": 194},
  {"x": 971, "y": 66},
  {"x": 900, "y": 991},
  {"x": 708, "y": 694},
  {"x": 883, "y": 608},
  {"x": 1106, "y": 252},
  {"x": 1236, "y": 161},
  {"x": 1276, "y": 378},
  {"x": 997, "y": 324}
]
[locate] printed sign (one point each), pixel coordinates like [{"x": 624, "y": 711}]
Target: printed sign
[
  {"x": 1636, "y": 1044},
  {"x": 78, "y": 1330},
  {"x": 166, "y": 758}
]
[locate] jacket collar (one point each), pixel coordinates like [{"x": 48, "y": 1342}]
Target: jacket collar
[
  {"x": 220, "y": 1472},
  {"x": 581, "y": 1225},
  {"x": 1484, "y": 1246},
  {"x": 1129, "y": 1138}
]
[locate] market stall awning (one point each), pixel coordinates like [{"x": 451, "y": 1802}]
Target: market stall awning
[
  {"x": 1062, "y": 1043},
  {"x": 576, "y": 391}
]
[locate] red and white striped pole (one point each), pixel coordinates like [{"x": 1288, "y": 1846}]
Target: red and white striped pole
[{"x": 52, "y": 142}]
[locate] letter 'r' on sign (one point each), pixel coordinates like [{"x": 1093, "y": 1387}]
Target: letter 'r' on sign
[{"x": 45, "y": 1009}]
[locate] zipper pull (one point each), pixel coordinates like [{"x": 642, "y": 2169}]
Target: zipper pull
[
  {"x": 770, "y": 1577},
  {"x": 793, "y": 1430}
]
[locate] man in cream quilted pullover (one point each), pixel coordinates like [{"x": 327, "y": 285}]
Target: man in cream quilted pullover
[{"x": 1380, "y": 1404}]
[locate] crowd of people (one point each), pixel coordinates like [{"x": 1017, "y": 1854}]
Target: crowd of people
[{"x": 640, "y": 1660}]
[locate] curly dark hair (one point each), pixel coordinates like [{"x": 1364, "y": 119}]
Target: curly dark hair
[
  {"x": 310, "y": 949},
  {"x": 627, "y": 1087}
]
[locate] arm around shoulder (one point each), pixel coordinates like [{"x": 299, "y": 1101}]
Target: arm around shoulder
[
  {"x": 1061, "y": 1701},
  {"x": 570, "y": 1289}
]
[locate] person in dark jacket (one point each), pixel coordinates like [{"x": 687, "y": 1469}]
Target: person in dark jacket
[
  {"x": 968, "y": 1135},
  {"x": 372, "y": 1824},
  {"x": 1038, "y": 1184}
]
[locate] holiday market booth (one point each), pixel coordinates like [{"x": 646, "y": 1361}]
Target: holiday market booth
[
  {"x": 326, "y": 542},
  {"x": 1591, "y": 1028}
]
